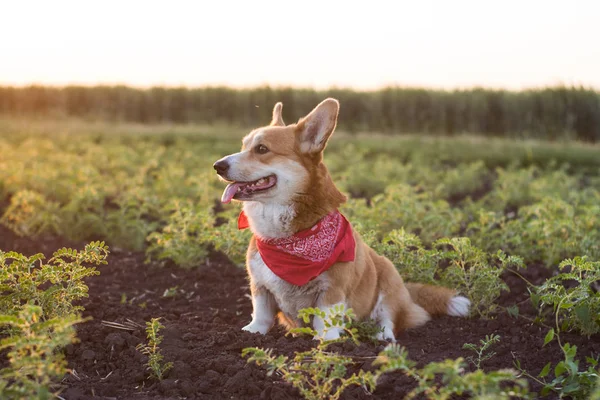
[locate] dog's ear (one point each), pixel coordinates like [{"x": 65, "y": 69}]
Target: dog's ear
[
  {"x": 277, "y": 117},
  {"x": 315, "y": 129}
]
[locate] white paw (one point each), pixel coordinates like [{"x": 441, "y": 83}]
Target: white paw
[
  {"x": 459, "y": 306},
  {"x": 256, "y": 327},
  {"x": 329, "y": 334},
  {"x": 387, "y": 335}
]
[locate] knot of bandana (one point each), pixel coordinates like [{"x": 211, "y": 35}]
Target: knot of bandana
[{"x": 302, "y": 257}]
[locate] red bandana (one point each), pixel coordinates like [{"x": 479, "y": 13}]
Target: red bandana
[{"x": 302, "y": 257}]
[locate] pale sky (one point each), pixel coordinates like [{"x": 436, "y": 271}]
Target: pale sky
[{"x": 362, "y": 44}]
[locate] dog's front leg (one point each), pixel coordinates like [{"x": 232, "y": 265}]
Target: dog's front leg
[
  {"x": 327, "y": 301},
  {"x": 264, "y": 310}
]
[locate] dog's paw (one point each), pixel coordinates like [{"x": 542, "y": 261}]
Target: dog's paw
[
  {"x": 386, "y": 335},
  {"x": 256, "y": 327},
  {"x": 329, "y": 334},
  {"x": 459, "y": 306}
]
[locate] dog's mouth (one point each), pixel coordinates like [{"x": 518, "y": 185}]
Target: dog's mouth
[{"x": 245, "y": 190}]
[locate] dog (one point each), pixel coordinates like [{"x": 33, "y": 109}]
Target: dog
[{"x": 303, "y": 252}]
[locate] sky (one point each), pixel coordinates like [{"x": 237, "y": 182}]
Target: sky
[{"x": 360, "y": 44}]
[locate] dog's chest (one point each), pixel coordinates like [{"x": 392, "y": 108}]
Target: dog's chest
[
  {"x": 290, "y": 298},
  {"x": 270, "y": 221}
]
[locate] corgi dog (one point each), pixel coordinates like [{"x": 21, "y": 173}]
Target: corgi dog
[{"x": 303, "y": 252}]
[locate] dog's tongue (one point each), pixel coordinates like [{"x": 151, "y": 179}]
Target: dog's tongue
[{"x": 229, "y": 192}]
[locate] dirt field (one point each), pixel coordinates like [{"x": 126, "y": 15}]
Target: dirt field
[{"x": 202, "y": 334}]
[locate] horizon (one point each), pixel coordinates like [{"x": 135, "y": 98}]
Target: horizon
[{"x": 432, "y": 45}]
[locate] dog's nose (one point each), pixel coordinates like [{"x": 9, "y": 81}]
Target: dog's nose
[{"x": 221, "y": 167}]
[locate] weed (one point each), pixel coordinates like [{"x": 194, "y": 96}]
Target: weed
[
  {"x": 54, "y": 285},
  {"x": 568, "y": 380},
  {"x": 575, "y": 304},
  {"x": 155, "y": 364},
  {"x": 319, "y": 374},
  {"x": 34, "y": 356},
  {"x": 472, "y": 272},
  {"x": 481, "y": 350}
]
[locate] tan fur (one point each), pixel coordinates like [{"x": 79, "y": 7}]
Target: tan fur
[{"x": 360, "y": 283}]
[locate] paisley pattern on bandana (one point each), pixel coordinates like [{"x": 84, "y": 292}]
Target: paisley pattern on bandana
[
  {"x": 317, "y": 247},
  {"x": 302, "y": 257}
]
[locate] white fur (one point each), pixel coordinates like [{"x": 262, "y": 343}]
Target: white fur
[
  {"x": 263, "y": 315},
  {"x": 459, "y": 306},
  {"x": 324, "y": 333},
  {"x": 270, "y": 220},
  {"x": 289, "y": 299},
  {"x": 382, "y": 316}
]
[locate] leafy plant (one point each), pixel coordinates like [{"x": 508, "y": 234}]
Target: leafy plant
[
  {"x": 481, "y": 350},
  {"x": 472, "y": 272},
  {"x": 54, "y": 285},
  {"x": 191, "y": 231},
  {"x": 34, "y": 356},
  {"x": 180, "y": 240},
  {"x": 575, "y": 304},
  {"x": 319, "y": 374},
  {"x": 501, "y": 384},
  {"x": 568, "y": 380},
  {"x": 405, "y": 250},
  {"x": 155, "y": 364},
  {"x": 30, "y": 213}
]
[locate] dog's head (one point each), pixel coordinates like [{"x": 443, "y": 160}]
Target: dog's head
[{"x": 282, "y": 164}]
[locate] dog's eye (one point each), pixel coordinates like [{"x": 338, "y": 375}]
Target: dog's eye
[{"x": 261, "y": 149}]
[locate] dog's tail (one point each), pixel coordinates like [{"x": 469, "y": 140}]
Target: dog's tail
[{"x": 438, "y": 300}]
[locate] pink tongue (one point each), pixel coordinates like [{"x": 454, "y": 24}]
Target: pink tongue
[{"x": 229, "y": 192}]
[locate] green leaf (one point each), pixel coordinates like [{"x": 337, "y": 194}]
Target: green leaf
[
  {"x": 545, "y": 390},
  {"x": 560, "y": 369},
  {"x": 549, "y": 336},
  {"x": 513, "y": 311},
  {"x": 571, "y": 387},
  {"x": 545, "y": 370},
  {"x": 583, "y": 313}
]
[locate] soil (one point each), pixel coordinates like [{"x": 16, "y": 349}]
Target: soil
[{"x": 203, "y": 337}]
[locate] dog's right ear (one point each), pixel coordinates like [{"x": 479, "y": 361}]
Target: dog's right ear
[{"x": 277, "y": 117}]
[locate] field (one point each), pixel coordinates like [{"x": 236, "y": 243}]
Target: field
[{"x": 514, "y": 225}]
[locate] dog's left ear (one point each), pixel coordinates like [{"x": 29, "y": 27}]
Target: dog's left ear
[
  {"x": 315, "y": 129},
  {"x": 277, "y": 117}
]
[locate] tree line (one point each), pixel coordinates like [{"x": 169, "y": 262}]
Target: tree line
[{"x": 552, "y": 112}]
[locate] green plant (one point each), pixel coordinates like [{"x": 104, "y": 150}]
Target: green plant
[
  {"x": 191, "y": 231},
  {"x": 473, "y": 272},
  {"x": 501, "y": 384},
  {"x": 595, "y": 395},
  {"x": 575, "y": 304},
  {"x": 568, "y": 380},
  {"x": 155, "y": 364},
  {"x": 34, "y": 356},
  {"x": 180, "y": 239},
  {"x": 320, "y": 374},
  {"x": 366, "y": 330},
  {"x": 481, "y": 350},
  {"x": 406, "y": 252},
  {"x": 53, "y": 285},
  {"x": 30, "y": 213}
]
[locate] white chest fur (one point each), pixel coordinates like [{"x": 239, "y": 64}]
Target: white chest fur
[
  {"x": 270, "y": 220},
  {"x": 290, "y": 298}
]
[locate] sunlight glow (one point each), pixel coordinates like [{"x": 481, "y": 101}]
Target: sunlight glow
[{"x": 511, "y": 44}]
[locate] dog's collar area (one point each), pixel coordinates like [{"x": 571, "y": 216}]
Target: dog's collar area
[{"x": 302, "y": 257}]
